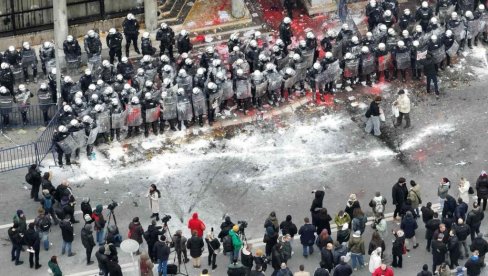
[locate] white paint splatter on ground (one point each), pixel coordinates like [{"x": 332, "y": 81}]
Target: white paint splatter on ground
[{"x": 426, "y": 132}]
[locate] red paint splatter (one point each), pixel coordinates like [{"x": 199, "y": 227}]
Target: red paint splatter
[{"x": 200, "y": 38}]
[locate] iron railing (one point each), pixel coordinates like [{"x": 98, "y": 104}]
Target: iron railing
[
  {"x": 35, "y": 115},
  {"x": 22, "y": 156}
]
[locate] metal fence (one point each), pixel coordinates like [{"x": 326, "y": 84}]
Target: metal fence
[
  {"x": 22, "y": 156},
  {"x": 34, "y": 115}
]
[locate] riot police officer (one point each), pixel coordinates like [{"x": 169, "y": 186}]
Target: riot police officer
[
  {"x": 6, "y": 101},
  {"x": 22, "y": 98},
  {"x": 92, "y": 44},
  {"x": 45, "y": 100},
  {"x": 166, "y": 37},
  {"x": 402, "y": 59},
  {"x": 214, "y": 97},
  {"x": 71, "y": 48},
  {"x": 7, "y": 77},
  {"x": 125, "y": 68},
  {"x": 146, "y": 45},
  {"x": 116, "y": 119},
  {"x": 90, "y": 131},
  {"x": 47, "y": 56},
  {"x": 114, "y": 43},
  {"x": 405, "y": 20},
  {"x": 107, "y": 73},
  {"x": 168, "y": 106},
  {"x": 183, "y": 42},
  {"x": 424, "y": 14},
  {"x": 60, "y": 136},
  {"x": 148, "y": 114},
  {"x": 86, "y": 79},
  {"x": 131, "y": 32},
  {"x": 286, "y": 33},
  {"x": 28, "y": 60},
  {"x": 12, "y": 56},
  {"x": 199, "y": 102}
]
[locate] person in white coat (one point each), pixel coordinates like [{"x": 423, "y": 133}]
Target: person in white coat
[
  {"x": 154, "y": 195},
  {"x": 463, "y": 190},
  {"x": 375, "y": 260},
  {"x": 403, "y": 105}
]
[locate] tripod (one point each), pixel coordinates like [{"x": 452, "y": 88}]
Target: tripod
[
  {"x": 178, "y": 272},
  {"x": 242, "y": 235}
]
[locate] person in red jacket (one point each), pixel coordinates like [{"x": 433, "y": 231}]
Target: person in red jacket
[
  {"x": 383, "y": 270},
  {"x": 195, "y": 224}
]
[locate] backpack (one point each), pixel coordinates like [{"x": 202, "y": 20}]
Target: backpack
[
  {"x": 227, "y": 244},
  {"x": 28, "y": 178},
  {"x": 45, "y": 224},
  {"x": 48, "y": 203}
]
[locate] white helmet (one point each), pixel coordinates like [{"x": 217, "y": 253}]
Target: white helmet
[
  {"x": 296, "y": 57},
  {"x": 91, "y": 33},
  {"x": 220, "y": 75},
  {"x": 146, "y": 58},
  {"x": 365, "y": 49},
  {"x": 200, "y": 71},
  {"x": 140, "y": 71},
  {"x": 167, "y": 68},
  {"x": 100, "y": 82},
  {"x": 406, "y": 12},
  {"x": 88, "y": 72},
  {"x": 115, "y": 101},
  {"x": 4, "y": 65},
  {"x": 433, "y": 20},
  {"x": 387, "y": 13},
  {"x": 257, "y": 74},
  {"x": 78, "y": 94},
  {"x": 124, "y": 60},
  {"x": 345, "y": 26},
  {"x": 369, "y": 35},
  {"x": 302, "y": 43},
  {"x": 391, "y": 31},
  {"x": 355, "y": 40},
  {"x": 289, "y": 71},
  {"x": 454, "y": 15},
  {"x": 130, "y": 16},
  {"x": 469, "y": 14},
  {"x": 69, "y": 38},
  {"x": 372, "y": 3},
  {"x": 481, "y": 7},
  {"x": 78, "y": 101},
  {"x": 401, "y": 43},
  {"x": 166, "y": 81},
  {"x": 236, "y": 49},
  {"x": 317, "y": 65},
  {"x": 26, "y": 45},
  {"x": 184, "y": 33},
  {"x": 234, "y": 36},
  {"x": 212, "y": 85},
  {"x": 127, "y": 86},
  {"x": 62, "y": 129},
  {"x": 270, "y": 66},
  {"x": 184, "y": 55},
  {"x": 276, "y": 49},
  {"x": 67, "y": 108},
  {"x": 53, "y": 71},
  {"x": 164, "y": 58},
  {"x": 3, "y": 90},
  {"x": 43, "y": 86},
  {"x": 164, "y": 94},
  {"x": 112, "y": 31},
  {"x": 73, "y": 122},
  {"x": 22, "y": 87},
  {"x": 239, "y": 61},
  {"x": 134, "y": 100},
  {"x": 383, "y": 27},
  {"x": 92, "y": 87},
  {"x": 119, "y": 77},
  {"x": 415, "y": 43},
  {"x": 216, "y": 62},
  {"x": 280, "y": 42},
  {"x": 148, "y": 96},
  {"x": 196, "y": 90},
  {"x": 98, "y": 108},
  {"x": 108, "y": 90},
  {"x": 240, "y": 72},
  {"x": 448, "y": 33},
  {"x": 182, "y": 73},
  {"x": 68, "y": 79},
  {"x": 164, "y": 25},
  {"x": 188, "y": 61},
  {"x": 87, "y": 119},
  {"x": 433, "y": 37},
  {"x": 425, "y": 4},
  {"x": 180, "y": 91},
  {"x": 328, "y": 55},
  {"x": 405, "y": 33},
  {"x": 310, "y": 35},
  {"x": 253, "y": 43},
  {"x": 148, "y": 83},
  {"x": 348, "y": 56},
  {"x": 145, "y": 35},
  {"x": 106, "y": 63},
  {"x": 287, "y": 20},
  {"x": 381, "y": 46},
  {"x": 210, "y": 50},
  {"x": 257, "y": 34},
  {"x": 418, "y": 29},
  {"x": 46, "y": 44},
  {"x": 330, "y": 33}
]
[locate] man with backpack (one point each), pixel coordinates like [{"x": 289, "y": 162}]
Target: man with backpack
[
  {"x": 43, "y": 224},
  {"x": 33, "y": 177},
  {"x": 378, "y": 203},
  {"x": 99, "y": 220},
  {"x": 47, "y": 203},
  {"x": 232, "y": 244}
]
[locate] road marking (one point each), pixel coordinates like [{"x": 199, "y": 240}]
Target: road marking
[{"x": 128, "y": 267}]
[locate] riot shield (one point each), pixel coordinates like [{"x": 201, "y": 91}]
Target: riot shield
[
  {"x": 185, "y": 83},
  {"x": 199, "y": 104},
  {"x": 169, "y": 108},
  {"x": 308, "y": 58},
  {"x": 332, "y": 72},
  {"x": 184, "y": 110},
  {"x": 68, "y": 145},
  {"x": 369, "y": 65},
  {"x": 243, "y": 89},
  {"x": 261, "y": 89},
  {"x": 289, "y": 82},
  {"x": 152, "y": 114},
  {"x": 103, "y": 121},
  {"x": 473, "y": 28},
  {"x": 134, "y": 115},
  {"x": 438, "y": 55},
  {"x": 50, "y": 64},
  {"x": 384, "y": 62},
  {"x": 403, "y": 60},
  {"x": 227, "y": 90},
  {"x": 337, "y": 50},
  {"x": 459, "y": 32},
  {"x": 80, "y": 137},
  {"x": 351, "y": 68},
  {"x": 282, "y": 63},
  {"x": 301, "y": 71},
  {"x": 274, "y": 81},
  {"x": 17, "y": 72},
  {"x": 93, "y": 136},
  {"x": 214, "y": 99},
  {"x": 452, "y": 51},
  {"x": 119, "y": 119}
]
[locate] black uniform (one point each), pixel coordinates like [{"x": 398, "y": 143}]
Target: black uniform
[
  {"x": 125, "y": 69},
  {"x": 131, "y": 31},
  {"x": 286, "y": 35},
  {"x": 58, "y": 137},
  {"x": 7, "y": 78},
  {"x": 183, "y": 44},
  {"x": 72, "y": 50},
  {"x": 12, "y": 57},
  {"x": 93, "y": 46},
  {"x": 167, "y": 38},
  {"x": 114, "y": 43},
  {"x": 148, "y": 104},
  {"x": 423, "y": 16},
  {"x": 146, "y": 46},
  {"x": 404, "y": 21},
  {"x": 29, "y": 59},
  {"x": 374, "y": 16},
  {"x": 401, "y": 50},
  {"x": 46, "y": 54}
]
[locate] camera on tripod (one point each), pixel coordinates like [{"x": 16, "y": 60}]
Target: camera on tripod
[
  {"x": 112, "y": 205},
  {"x": 242, "y": 225},
  {"x": 166, "y": 218}
]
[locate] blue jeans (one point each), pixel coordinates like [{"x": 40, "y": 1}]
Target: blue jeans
[
  {"x": 44, "y": 236},
  {"x": 16, "y": 252},
  {"x": 67, "y": 246},
  {"x": 233, "y": 255},
  {"x": 357, "y": 260},
  {"x": 307, "y": 250},
  {"x": 101, "y": 237},
  {"x": 434, "y": 79},
  {"x": 163, "y": 267}
]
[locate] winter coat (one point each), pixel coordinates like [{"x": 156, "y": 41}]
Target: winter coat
[
  {"x": 409, "y": 225},
  {"x": 473, "y": 267},
  {"x": 339, "y": 251},
  {"x": 359, "y": 224},
  {"x": 322, "y": 222},
  {"x": 276, "y": 258},
  {"x": 326, "y": 259},
  {"x": 56, "y": 271},
  {"x": 31, "y": 239},
  {"x": 351, "y": 206},
  {"x": 195, "y": 224},
  {"x": 343, "y": 235},
  {"x": 453, "y": 247},
  {"x": 460, "y": 211},
  {"x": 414, "y": 195},
  {"x": 288, "y": 227},
  {"x": 212, "y": 245},
  {"x": 475, "y": 217},
  {"x": 427, "y": 214},
  {"x": 284, "y": 272},
  {"x": 380, "y": 272},
  {"x": 482, "y": 187},
  {"x": 195, "y": 244},
  {"x": 272, "y": 221},
  {"x": 236, "y": 241},
  {"x": 431, "y": 226},
  {"x": 153, "y": 202},
  {"x": 343, "y": 269},
  {"x": 439, "y": 250},
  {"x": 479, "y": 244},
  {"x": 161, "y": 251},
  {"x": 356, "y": 245},
  {"x": 152, "y": 236},
  {"x": 462, "y": 231},
  {"x": 247, "y": 259},
  {"x": 66, "y": 230},
  {"x": 307, "y": 234},
  {"x": 87, "y": 236},
  {"x": 429, "y": 67},
  {"x": 403, "y": 103},
  {"x": 136, "y": 231},
  {"x": 397, "y": 248},
  {"x": 375, "y": 260},
  {"x": 317, "y": 204},
  {"x": 463, "y": 192},
  {"x": 145, "y": 265},
  {"x": 424, "y": 273},
  {"x": 399, "y": 194},
  {"x": 443, "y": 189},
  {"x": 373, "y": 245},
  {"x": 339, "y": 221}
]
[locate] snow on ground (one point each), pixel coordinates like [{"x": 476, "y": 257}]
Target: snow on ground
[{"x": 425, "y": 133}]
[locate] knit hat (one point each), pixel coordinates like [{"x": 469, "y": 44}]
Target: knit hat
[
  {"x": 235, "y": 228},
  {"x": 357, "y": 234},
  {"x": 474, "y": 258},
  {"x": 99, "y": 209},
  {"x": 41, "y": 211},
  {"x": 19, "y": 212},
  {"x": 401, "y": 92}
]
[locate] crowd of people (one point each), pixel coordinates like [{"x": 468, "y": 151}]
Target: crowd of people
[
  {"x": 153, "y": 94},
  {"x": 452, "y": 233}
]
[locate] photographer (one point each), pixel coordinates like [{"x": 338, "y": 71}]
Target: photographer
[
  {"x": 213, "y": 246},
  {"x": 179, "y": 243},
  {"x": 99, "y": 220},
  {"x": 152, "y": 236},
  {"x": 225, "y": 227},
  {"x": 161, "y": 252},
  {"x": 136, "y": 232},
  {"x": 33, "y": 177}
]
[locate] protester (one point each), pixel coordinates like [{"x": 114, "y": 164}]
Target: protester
[
  {"x": 195, "y": 224},
  {"x": 307, "y": 237},
  {"x": 195, "y": 245},
  {"x": 145, "y": 265},
  {"x": 88, "y": 242},
  {"x": 161, "y": 252},
  {"x": 54, "y": 267},
  {"x": 136, "y": 232}
]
